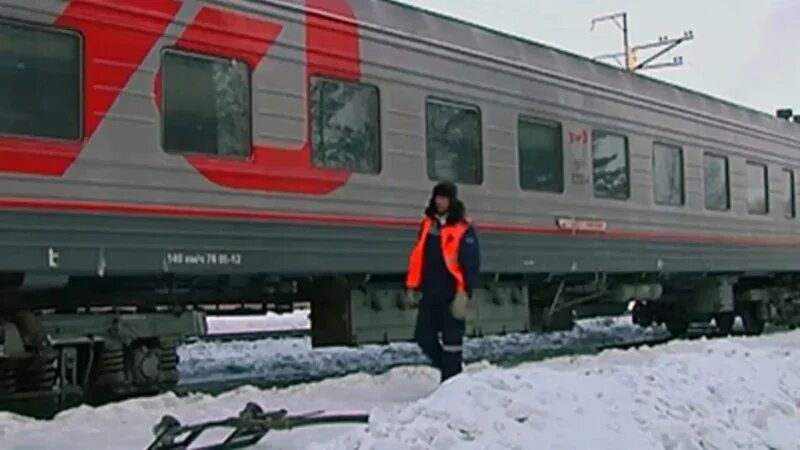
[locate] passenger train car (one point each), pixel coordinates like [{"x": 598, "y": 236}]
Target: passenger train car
[{"x": 161, "y": 155}]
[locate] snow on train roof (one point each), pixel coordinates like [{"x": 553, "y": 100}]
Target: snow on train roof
[{"x": 436, "y": 26}]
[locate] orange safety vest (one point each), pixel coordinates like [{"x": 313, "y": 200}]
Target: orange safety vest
[{"x": 451, "y": 239}]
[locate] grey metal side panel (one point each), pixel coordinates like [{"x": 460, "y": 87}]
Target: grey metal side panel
[
  {"x": 117, "y": 245},
  {"x": 124, "y": 161}
]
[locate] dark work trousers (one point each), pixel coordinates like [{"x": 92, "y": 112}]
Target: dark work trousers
[{"x": 440, "y": 336}]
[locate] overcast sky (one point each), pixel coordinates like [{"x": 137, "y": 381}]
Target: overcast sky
[{"x": 744, "y": 51}]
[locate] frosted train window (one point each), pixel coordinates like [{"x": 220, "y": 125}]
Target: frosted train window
[
  {"x": 40, "y": 82},
  {"x": 789, "y": 210},
  {"x": 757, "y": 195},
  {"x": 717, "y": 189},
  {"x": 610, "y": 166},
  {"x": 541, "y": 163},
  {"x": 205, "y": 104},
  {"x": 345, "y": 126},
  {"x": 453, "y": 138},
  {"x": 667, "y": 174}
]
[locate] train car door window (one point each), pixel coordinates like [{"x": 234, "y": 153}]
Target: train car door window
[
  {"x": 789, "y": 209},
  {"x": 345, "y": 126},
  {"x": 717, "y": 187},
  {"x": 610, "y": 165},
  {"x": 541, "y": 160},
  {"x": 40, "y": 82},
  {"x": 454, "y": 142},
  {"x": 668, "y": 175},
  {"x": 757, "y": 195},
  {"x": 205, "y": 104}
]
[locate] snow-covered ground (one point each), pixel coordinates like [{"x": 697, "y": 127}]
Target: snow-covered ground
[
  {"x": 292, "y": 360},
  {"x": 741, "y": 393}
]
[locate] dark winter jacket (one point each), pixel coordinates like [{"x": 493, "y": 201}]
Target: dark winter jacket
[{"x": 438, "y": 285}]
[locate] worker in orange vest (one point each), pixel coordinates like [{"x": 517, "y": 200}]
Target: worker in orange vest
[{"x": 444, "y": 267}]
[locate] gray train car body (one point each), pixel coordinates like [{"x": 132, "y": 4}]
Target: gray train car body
[{"x": 234, "y": 151}]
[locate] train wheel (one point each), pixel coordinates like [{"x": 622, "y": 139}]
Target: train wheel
[
  {"x": 676, "y": 319},
  {"x": 677, "y": 326},
  {"x": 724, "y": 321},
  {"x": 641, "y": 315},
  {"x": 753, "y": 319},
  {"x": 561, "y": 320}
]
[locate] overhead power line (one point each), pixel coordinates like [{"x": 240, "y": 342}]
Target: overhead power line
[{"x": 630, "y": 52}]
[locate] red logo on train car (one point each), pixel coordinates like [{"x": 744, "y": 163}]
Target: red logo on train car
[
  {"x": 578, "y": 137},
  {"x": 103, "y": 41},
  {"x": 332, "y": 49}
]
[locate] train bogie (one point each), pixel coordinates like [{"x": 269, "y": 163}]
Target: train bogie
[
  {"x": 61, "y": 357},
  {"x": 352, "y": 313}
]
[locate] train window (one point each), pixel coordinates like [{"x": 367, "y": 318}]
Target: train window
[
  {"x": 454, "y": 138},
  {"x": 610, "y": 165},
  {"x": 540, "y": 155},
  {"x": 40, "y": 82},
  {"x": 717, "y": 188},
  {"x": 345, "y": 126},
  {"x": 757, "y": 196},
  {"x": 668, "y": 174},
  {"x": 789, "y": 210},
  {"x": 205, "y": 104}
]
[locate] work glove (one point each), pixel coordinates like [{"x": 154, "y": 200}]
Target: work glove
[
  {"x": 409, "y": 299},
  {"x": 459, "y": 308}
]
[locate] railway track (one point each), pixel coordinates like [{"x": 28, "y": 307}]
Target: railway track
[
  {"x": 220, "y": 385},
  {"x": 216, "y": 385}
]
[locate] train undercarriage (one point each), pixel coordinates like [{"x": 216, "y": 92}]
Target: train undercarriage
[
  {"x": 722, "y": 300},
  {"x": 51, "y": 359},
  {"x": 88, "y": 352}
]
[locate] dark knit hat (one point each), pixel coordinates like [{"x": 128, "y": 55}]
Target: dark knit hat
[{"x": 446, "y": 189}]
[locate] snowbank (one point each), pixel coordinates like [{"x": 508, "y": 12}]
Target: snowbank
[
  {"x": 127, "y": 425},
  {"x": 739, "y": 393}
]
